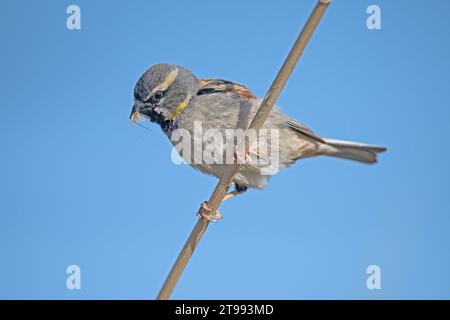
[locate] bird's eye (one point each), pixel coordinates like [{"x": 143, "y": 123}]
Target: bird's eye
[
  {"x": 154, "y": 98},
  {"x": 158, "y": 95}
]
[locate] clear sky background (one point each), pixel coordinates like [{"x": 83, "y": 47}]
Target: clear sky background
[{"x": 80, "y": 185}]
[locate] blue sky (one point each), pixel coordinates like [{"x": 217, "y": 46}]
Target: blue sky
[{"x": 80, "y": 185}]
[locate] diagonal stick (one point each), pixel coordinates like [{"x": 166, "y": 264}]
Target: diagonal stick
[{"x": 257, "y": 122}]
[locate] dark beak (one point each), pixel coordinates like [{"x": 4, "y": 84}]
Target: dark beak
[
  {"x": 135, "y": 113},
  {"x": 135, "y": 109},
  {"x": 139, "y": 110}
]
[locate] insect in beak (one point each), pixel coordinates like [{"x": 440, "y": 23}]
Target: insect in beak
[{"x": 135, "y": 114}]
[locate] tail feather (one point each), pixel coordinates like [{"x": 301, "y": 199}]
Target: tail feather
[{"x": 352, "y": 150}]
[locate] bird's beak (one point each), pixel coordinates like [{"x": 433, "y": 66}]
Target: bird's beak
[{"x": 135, "y": 114}]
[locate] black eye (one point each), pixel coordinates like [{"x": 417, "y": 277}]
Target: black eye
[
  {"x": 154, "y": 98},
  {"x": 158, "y": 95}
]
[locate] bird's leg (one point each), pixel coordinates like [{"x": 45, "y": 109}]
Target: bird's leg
[
  {"x": 238, "y": 189},
  {"x": 206, "y": 213}
]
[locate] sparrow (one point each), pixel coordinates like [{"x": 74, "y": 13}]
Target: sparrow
[{"x": 175, "y": 99}]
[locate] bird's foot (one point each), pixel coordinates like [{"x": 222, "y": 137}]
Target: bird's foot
[{"x": 206, "y": 213}]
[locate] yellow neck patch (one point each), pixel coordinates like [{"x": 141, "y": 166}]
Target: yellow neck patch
[{"x": 179, "y": 110}]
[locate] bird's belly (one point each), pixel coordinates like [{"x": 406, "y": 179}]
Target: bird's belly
[
  {"x": 213, "y": 156},
  {"x": 247, "y": 175}
]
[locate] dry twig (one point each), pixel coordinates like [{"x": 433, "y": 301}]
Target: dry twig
[{"x": 257, "y": 122}]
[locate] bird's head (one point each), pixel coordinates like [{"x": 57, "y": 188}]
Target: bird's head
[{"x": 163, "y": 92}]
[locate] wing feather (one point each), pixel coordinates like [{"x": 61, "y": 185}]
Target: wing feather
[
  {"x": 298, "y": 127},
  {"x": 211, "y": 86}
]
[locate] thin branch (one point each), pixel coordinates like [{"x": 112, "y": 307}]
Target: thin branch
[{"x": 257, "y": 122}]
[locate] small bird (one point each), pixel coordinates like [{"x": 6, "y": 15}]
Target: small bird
[{"x": 173, "y": 97}]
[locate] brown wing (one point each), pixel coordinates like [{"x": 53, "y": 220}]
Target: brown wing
[{"x": 210, "y": 86}]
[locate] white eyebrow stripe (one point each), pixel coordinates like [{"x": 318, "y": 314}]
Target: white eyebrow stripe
[{"x": 170, "y": 78}]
